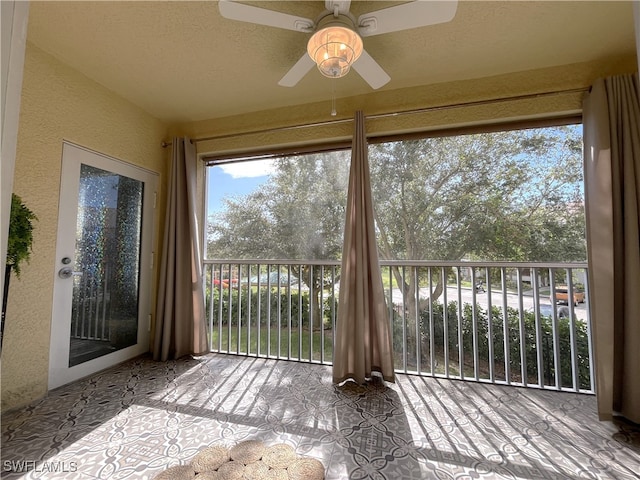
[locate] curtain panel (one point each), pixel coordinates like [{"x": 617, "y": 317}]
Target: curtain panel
[
  {"x": 611, "y": 118},
  {"x": 180, "y": 327},
  {"x": 363, "y": 336}
]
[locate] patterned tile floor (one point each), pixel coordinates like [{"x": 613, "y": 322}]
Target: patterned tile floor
[{"x": 139, "y": 418}]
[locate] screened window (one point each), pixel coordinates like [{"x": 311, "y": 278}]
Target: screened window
[
  {"x": 292, "y": 207},
  {"x": 505, "y": 195}
]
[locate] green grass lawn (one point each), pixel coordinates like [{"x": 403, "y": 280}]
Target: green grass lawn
[
  {"x": 249, "y": 346},
  {"x": 298, "y": 345}
]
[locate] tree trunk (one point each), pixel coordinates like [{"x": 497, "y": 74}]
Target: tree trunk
[
  {"x": 413, "y": 306},
  {"x": 409, "y": 306},
  {"x": 315, "y": 282}
]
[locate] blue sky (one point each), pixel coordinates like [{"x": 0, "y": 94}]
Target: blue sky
[{"x": 232, "y": 179}]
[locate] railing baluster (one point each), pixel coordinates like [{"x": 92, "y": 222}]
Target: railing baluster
[
  {"x": 573, "y": 346},
  {"x": 432, "y": 340},
  {"x": 238, "y": 340},
  {"x": 523, "y": 333},
  {"x": 555, "y": 335},
  {"x": 417, "y": 320},
  {"x": 248, "y": 307},
  {"x": 84, "y": 291},
  {"x": 105, "y": 294},
  {"x": 268, "y": 310},
  {"x": 220, "y": 302},
  {"x": 258, "y": 310},
  {"x": 311, "y": 312},
  {"x": 539, "y": 352},
  {"x": 392, "y": 317},
  {"x": 96, "y": 315},
  {"x": 300, "y": 316},
  {"x": 460, "y": 329},
  {"x": 571, "y": 303},
  {"x": 505, "y": 327},
  {"x": 492, "y": 358},
  {"x": 474, "y": 318},
  {"x": 445, "y": 320},
  {"x": 229, "y": 300},
  {"x": 91, "y": 299},
  {"x": 404, "y": 321},
  {"x": 75, "y": 320},
  {"x": 279, "y": 314},
  {"x": 289, "y": 312},
  {"x": 209, "y": 270},
  {"x": 321, "y": 313}
]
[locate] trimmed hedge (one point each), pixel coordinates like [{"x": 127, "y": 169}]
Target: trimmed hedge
[{"x": 460, "y": 327}]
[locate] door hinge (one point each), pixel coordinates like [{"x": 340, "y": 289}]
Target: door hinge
[
  {"x": 149, "y": 323},
  {"x": 155, "y": 199},
  {"x": 153, "y": 259}
]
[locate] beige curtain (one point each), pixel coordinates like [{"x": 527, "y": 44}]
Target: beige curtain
[
  {"x": 612, "y": 191},
  {"x": 363, "y": 337},
  {"x": 180, "y": 320}
]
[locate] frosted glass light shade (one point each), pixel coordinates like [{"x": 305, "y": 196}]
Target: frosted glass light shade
[{"x": 334, "y": 49}]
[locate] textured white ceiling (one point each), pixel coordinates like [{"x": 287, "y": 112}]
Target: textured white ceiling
[{"x": 181, "y": 61}]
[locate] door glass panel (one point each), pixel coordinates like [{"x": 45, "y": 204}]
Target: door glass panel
[{"x": 107, "y": 264}]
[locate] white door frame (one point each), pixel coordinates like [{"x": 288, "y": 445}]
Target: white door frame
[
  {"x": 72, "y": 158},
  {"x": 14, "y": 19}
]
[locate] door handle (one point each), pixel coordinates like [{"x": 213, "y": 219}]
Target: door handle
[{"x": 67, "y": 272}]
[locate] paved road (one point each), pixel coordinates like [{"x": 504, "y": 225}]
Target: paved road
[{"x": 496, "y": 299}]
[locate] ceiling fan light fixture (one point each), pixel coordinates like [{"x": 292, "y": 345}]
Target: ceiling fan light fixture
[{"x": 334, "y": 48}]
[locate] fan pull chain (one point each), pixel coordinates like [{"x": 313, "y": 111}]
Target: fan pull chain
[{"x": 333, "y": 97}]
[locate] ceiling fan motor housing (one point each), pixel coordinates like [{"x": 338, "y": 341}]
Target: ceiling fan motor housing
[{"x": 335, "y": 45}]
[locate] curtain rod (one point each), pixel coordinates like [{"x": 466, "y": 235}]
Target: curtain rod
[{"x": 394, "y": 114}]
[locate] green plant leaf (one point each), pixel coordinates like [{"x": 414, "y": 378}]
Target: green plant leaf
[{"x": 20, "y": 241}]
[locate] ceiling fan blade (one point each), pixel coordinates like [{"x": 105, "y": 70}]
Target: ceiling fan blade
[
  {"x": 343, "y": 5},
  {"x": 418, "y": 13},
  {"x": 248, "y": 13},
  {"x": 299, "y": 70},
  {"x": 371, "y": 71}
]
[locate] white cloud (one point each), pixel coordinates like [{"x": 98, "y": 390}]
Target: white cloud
[{"x": 250, "y": 169}]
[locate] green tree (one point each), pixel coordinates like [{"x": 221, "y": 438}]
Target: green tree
[
  {"x": 297, "y": 214},
  {"x": 510, "y": 195},
  {"x": 552, "y": 221}
]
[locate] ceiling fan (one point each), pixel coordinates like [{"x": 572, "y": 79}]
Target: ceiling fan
[{"x": 336, "y": 43}]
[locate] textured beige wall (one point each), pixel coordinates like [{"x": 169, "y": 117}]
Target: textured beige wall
[{"x": 60, "y": 104}]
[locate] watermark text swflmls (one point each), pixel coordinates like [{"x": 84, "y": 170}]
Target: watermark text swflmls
[{"x": 23, "y": 466}]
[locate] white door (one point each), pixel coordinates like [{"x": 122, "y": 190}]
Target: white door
[{"x": 102, "y": 298}]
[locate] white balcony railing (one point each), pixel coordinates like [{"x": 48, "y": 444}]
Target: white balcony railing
[{"x": 509, "y": 330}]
